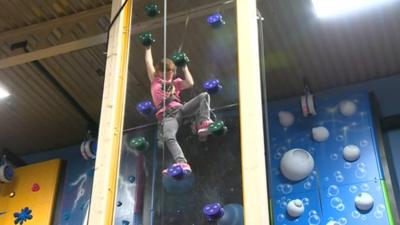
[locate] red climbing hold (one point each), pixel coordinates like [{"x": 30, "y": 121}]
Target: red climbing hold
[{"x": 35, "y": 187}]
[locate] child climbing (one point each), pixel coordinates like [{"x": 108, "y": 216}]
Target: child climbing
[{"x": 171, "y": 110}]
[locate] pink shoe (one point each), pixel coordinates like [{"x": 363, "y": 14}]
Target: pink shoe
[
  {"x": 185, "y": 167},
  {"x": 202, "y": 130}
]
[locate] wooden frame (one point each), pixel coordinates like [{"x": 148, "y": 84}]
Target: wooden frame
[
  {"x": 254, "y": 178},
  {"x": 255, "y": 195},
  {"x": 102, "y": 205}
]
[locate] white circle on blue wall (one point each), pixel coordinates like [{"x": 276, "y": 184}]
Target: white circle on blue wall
[
  {"x": 320, "y": 134},
  {"x": 351, "y": 153},
  {"x": 296, "y": 164},
  {"x": 347, "y": 108},
  {"x": 295, "y": 208},
  {"x": 364, "y": 201}
]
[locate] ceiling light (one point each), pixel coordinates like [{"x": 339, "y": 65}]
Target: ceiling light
[
  {"x": 330, "y": 8},
  {"x": 4, "y": 93}
]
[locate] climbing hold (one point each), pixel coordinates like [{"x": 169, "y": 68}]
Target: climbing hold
[
  {"x": 215, "y": 20},
  {"x": 180, "y": 59},
  {"x": 351, "y": 153},
  {"x": 35, "y": 187},
  {"x": 296, "y": 164},
  {"x": 12, "y": 194},
  {"x": 213, "y": 211},
  {"x": 152, "y": 9},
  {"x": 6, "y": 173},
  {"x": 212, "y": 86},
  {"x": 332, "y": 222},
  {"x": 66, "y": 216},
  {"x": 364, "y": 201},
  {"x": 23, "y": 216},
  {"x": 347, "y": 108},
  {"x": 320, "y": 134},
  {"x": 217, "y": 128},
  {"x": 308, "y": 105},
  {"x": 132, "y": 179},
  {"x": 125, "y": 222},
  {"x": 89, "y": 149},
  {"x": 146, "y": 39},
  {"x": 119, "y": 203},
  {"x": 176, "y": 172},
  {"x": 295, "y": 208},
  {"x": 139, "y": 143},
  {"x": 286, "y": 119},
  {"x": 146, "y": 108}
]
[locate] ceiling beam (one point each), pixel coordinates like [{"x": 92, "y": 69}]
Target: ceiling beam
[
  {"x": 102, "y": 38},
  {"x": 58, "y": 22}
]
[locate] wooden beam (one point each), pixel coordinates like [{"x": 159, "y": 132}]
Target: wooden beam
[
  {"x": 101, "y": 38},
  {"x": 59, "y": 22},
  {"x": 103, "y": 203},
  {"x": 53, "y": 51},
  {"x": 254, "y": 178}
]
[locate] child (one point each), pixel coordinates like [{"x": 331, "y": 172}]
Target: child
[{"x": 170, "y": 117}]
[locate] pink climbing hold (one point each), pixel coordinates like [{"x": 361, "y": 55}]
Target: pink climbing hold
[{"x": 35, "y": 187}]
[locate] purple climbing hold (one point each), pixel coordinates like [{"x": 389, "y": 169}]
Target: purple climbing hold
[
  {"x": 216, "y": 20},
  {"x": 213, "y": 211},
  {"x": 146, "y": 108},
  {"x": 176, "y": 171},
  {"x": 212, "y": 86}
]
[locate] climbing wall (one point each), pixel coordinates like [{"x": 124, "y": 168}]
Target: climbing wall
[
  {"x": 346, "y": 163},
  {"x": 76, "y": 181},
  {"x": 216, "y": 176},
  {"x": 145, "y": 196},
  {"x": 33, "y": 187}
]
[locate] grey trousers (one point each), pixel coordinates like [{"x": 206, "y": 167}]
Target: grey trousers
[{"x": 198, "y": 107}]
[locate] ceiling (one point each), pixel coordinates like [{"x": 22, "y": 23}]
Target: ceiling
[{"x": 37, "y": 116}]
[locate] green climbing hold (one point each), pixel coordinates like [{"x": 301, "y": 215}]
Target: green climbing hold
[
  {"x": 217, "y": 128},
  {"x": 146, "y": 39},
  {"x": 180, "y": 59},
  {"x": 152, "y": 9},
  {"x": 139, "y": 143}
]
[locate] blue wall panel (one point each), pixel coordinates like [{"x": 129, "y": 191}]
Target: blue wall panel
[{"x": 331, "y": 170}]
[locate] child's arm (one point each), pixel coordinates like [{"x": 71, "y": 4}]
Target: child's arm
[
  {"x": 149, "y": 63},
  {"x": 188, "y": 82}
]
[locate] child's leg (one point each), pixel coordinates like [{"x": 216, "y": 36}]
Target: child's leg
[
  {"x": 199, "y": 106},
  {"x": 170, "y": 128}
]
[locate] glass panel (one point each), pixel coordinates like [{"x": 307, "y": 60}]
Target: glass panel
[
  {"x": 205, "y": 117},
  {"x": 326, "y": 160}
]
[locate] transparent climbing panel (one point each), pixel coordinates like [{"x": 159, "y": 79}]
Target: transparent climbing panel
[{"x": 200, "y": 38}]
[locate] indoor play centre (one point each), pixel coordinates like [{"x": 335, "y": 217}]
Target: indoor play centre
[{"x": 199, "y": 112}]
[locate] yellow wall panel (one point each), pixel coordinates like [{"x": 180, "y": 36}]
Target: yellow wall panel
[{"x": 42, "y": 203}]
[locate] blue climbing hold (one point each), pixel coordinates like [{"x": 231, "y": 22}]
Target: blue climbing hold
[
  {"x": 216, "y": 20},
  {"x": 23, "y": 216},
  {"x": 213, "y": 211},
  {"x": 9, "y": 172},
  {"x": 125, "y": 222},
  {"x": 146, "y": 108},
  {"x": 93, "y": 147},
  {"x": 119, "y": 203},
  {"x": 176, "y": 172},
  {"x": 132, "y": 179},
  {"x": 212, "y": 86},
  {"x": 66, "y": 216}
]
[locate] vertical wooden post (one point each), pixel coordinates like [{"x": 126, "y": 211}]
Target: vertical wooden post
[
  {"x": 255, "y": 195},
  {"x": 102, "y": 205}
]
